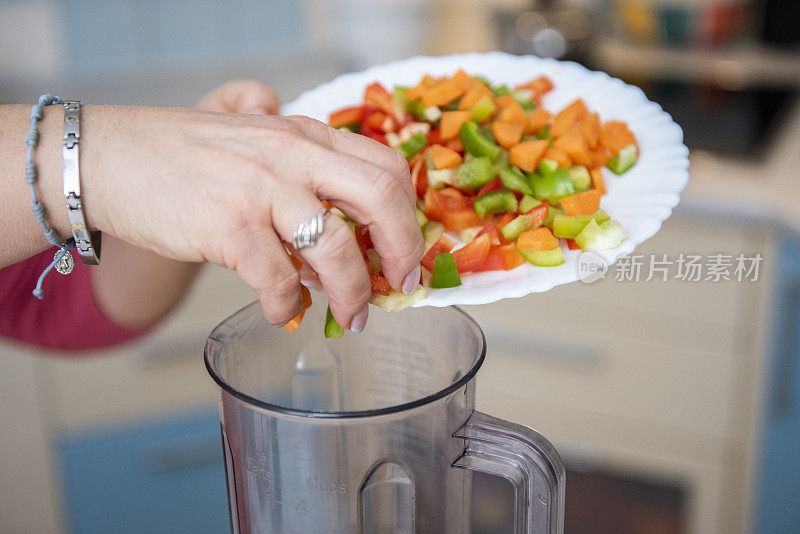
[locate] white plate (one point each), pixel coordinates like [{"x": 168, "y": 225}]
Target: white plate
[{"x": 641, "y": 199}]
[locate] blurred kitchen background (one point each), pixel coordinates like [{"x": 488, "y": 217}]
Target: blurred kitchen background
[{"x": 676, "y": 405}]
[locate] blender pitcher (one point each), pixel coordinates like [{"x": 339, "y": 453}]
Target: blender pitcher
[{"x": 373, "y": 433}]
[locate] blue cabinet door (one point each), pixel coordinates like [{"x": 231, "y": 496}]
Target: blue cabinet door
[
  {"x": 164, "y": 476},
  {"x": 778, "y": 505}
]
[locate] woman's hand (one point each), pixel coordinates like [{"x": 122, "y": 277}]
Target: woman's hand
[{"x": 231, "y": 189}]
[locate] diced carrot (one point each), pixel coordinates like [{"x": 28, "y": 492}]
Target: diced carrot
[
  {"x": 538, "y": 119},
  {"x": 526, "y": 155},
  {"x": 375, "y": 120},
  {"x": 585, "y": 203},
  {"x": 597, "y": 180},
  {"x": 590, "y": 128},
  {"x": 507, "y": 134},
  {"x": 513, "y": 113},
  {"x": 567, "y": 117},
  {"x": 346, "y": 116},
  {"x": 305, "y": 294},
  {"x": 443, "y": 157},
  {"x": 539, "y": 239},
  {"x": 294, "y": 324},
  {"x": 474, "y": 95},
  {"x": 615, "y": 135},
  {"x": 559, "y": 156},
  {"x": 600, "y": 156},
  {"x": 464, "y": 80},
  {"x": 461, "y": 219},
  {"x": 428, "y": 80},
  {"x": 379, "y": 284},
  {"x": 495, "y": 184},
  {"x": 441, "y": 93},
  {"x": 574, "y": 144},
  {"x": 451, "y": 122},
  {"x": 415, "y": 93},
  {"x": 539, "y": 86},
  {"x": 504, "y": 101},
  {"x": 471, "y": 256},
  {"x": 376, "y": 94},
  {"x": 444, "y": 244}
]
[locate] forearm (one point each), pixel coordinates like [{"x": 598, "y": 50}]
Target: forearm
[
  {"x": 23, "y": 236},
  {"x": 134, "y": 287}
]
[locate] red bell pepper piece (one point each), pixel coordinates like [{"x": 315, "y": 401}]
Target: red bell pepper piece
[
  {"x": 419, "y": 176},
  {"x": 540, "y": 213},
  {"x": 363, "y": 239},
  {"x": 434, "y": 137},
  {"x": 444, "y": 244},
  {"x": 377, "y": 135},
  {"x": 462, "y": 218},
  {"x": 471, "y": 256},
  {"x": 502, "y": 258},
  {"x": 374, "y": 120},
  {"x": 493, "y": 185},
  {"x": 379, "y": 283},
  {"x": 346, "y": 116},
  {"x": 500, "y": 223},
  {"x": 494, "y": 235},
  {"x": 376, "y": 94},
  {"x": 573, "y": 245}
]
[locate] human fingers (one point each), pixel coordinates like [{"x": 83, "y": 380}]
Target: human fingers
[{"x": 242, "y": 96}]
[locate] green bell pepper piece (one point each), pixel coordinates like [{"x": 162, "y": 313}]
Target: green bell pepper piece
[
  {"x": 402, "y": 104},
  {"x": 494, "y": 202},
  {"x": 445, "y": 274},
  {"x": 483, "y": 109},
  {"x": 551, "y": 213},
  {"x": 525, "y": 99},
  {"x": 543, "y": 258},
  {"x": 413, "y": 145},
  {"x": 422, "y": 220},
  {"x": 520, "y": 224},
  {"x": 527, "y": 203},
  {"x": 553, "y": 187},
  {"x": 502, "y": 161},
  {"x": 623, "y": 161},
  {"x": 501, "y": 90},
  {"x": 476, "y": 144},
  {"x": 474, "y": 174},
  {"x": 547, "y": 166},
  {"x": 570, "y": 226},
  {"x": 544, "y": 133},
  {"x": 332, "y": 328},
  {"x": 580, "y": 178},
  {"x": 601, "y": 236},
  {"x": 353, "y": 127},
  {"x": 513, "y": 179}
]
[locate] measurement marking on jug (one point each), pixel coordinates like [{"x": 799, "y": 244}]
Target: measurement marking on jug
[
  {"x": 301, "y": 507},
  {"x": 330, "y": 487}
]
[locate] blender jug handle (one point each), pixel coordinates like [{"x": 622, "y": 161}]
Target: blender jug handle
[{"x": 527, "y": 460}]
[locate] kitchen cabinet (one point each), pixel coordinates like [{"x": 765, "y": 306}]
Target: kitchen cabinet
[
  {"x": 779, "y": 471},
  {"x": 162, "y": 475}
]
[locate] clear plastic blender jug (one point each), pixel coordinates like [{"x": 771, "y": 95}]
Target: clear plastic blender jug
[{"x": 373, "y": 433}]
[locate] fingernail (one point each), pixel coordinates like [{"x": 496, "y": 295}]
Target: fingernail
[
  {"x": 360, "y": 320},
  {"x": 411, "y": 281},
  {"x": 258, "y": 111}
]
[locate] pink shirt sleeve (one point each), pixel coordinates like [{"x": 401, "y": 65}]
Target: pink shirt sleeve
[{"x": 68, "y": 318}]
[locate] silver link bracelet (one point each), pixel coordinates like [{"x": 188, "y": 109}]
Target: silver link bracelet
[{"x": 87, "y": 243}]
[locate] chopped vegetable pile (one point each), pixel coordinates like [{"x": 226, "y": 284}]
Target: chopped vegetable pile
[{"x": 491, "y": 165}]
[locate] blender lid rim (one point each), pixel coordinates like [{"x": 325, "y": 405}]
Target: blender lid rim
[{"x": 455, "y": 386}]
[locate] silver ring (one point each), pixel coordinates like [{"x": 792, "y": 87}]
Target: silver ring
[{"x": 309, "y": 231}]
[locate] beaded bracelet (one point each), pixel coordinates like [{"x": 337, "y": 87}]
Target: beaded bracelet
[{"x": 63, "y": 261}]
